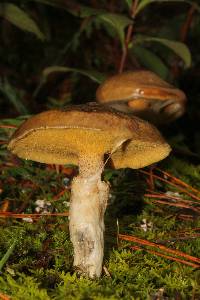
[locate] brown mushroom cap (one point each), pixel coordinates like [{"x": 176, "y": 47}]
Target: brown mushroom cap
[
  {"x": 143, "y": 94},
  {"x": 138, "y": 84},
  {"x": 60, "y": 137}
]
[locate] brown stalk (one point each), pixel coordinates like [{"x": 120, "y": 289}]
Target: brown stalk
[
  {"x": 128, "y": 37},
  {"x": 167, "y": 256},
  {"x": 158, "y": 246},
  {"x": 187, "y": 24}
]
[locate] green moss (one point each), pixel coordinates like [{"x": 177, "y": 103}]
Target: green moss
[
  {"x": 40, "y": 266},
  {"x": 24, "y": 287}
]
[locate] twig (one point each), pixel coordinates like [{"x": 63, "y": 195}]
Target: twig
[
  {"x": 128, "y": 37},
  {"x": 186, "y": 26}
]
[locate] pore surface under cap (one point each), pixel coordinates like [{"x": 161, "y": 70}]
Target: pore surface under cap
[
  {"x": 146, "y": 147},
  {"x": 61, "y": 136}
]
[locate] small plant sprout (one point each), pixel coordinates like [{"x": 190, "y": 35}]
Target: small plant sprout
[
  {"x": 143, "y": 94},
  {"x": 83, "y": 135},
  {"x": 8, "y": 253}
]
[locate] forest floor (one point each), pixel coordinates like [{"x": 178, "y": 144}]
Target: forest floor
[{"x": 152, "y": 236}]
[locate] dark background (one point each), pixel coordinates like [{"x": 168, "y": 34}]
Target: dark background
[{"x": 75, "y": 36}]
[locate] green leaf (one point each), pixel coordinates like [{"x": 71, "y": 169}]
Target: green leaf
[
  {"x": 151, "y": 61},
  {"x": 117, "y": 22},
  {"x": 93, "y": 75},
  {"x": 83, "y": 11},
  {"x": 20, "y": 18},
  {"x": 129, "y": 3},
  {"x": 144, "y": 3},
  {"x": 75, "y": 9},
  {"x": 177, "y": 47},
  {"x": 54, "y": 3},
  {"x": 13, "y": 95}
]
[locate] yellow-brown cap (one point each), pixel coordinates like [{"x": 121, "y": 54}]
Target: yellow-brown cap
[
  {"x": 59, "y": 137},
  {"x": 144, "y": 94}
]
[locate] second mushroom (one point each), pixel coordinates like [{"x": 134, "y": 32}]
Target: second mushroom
[
  {"x": 144, "y": 94},
  {"x": 83, "y": 135}
]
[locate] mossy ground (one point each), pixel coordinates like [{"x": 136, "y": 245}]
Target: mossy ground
[{"x": 40, "y": 266}]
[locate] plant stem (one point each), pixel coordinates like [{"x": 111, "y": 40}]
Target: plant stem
[{"x": 128, "y": 37}]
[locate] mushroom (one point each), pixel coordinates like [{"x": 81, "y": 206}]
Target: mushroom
[
  {"x": 144, "y": 94},
  {"x": 82, "y": 135}
]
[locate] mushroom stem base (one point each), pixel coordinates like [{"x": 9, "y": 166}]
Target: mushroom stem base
[{"x": 88, "y": 203}]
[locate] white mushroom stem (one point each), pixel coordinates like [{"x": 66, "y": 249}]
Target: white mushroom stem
[{"x": 89, "y": 197}]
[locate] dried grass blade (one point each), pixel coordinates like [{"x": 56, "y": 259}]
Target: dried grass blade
[
  {"x": 36, "y": 215},
  {"x": 168, "y": 257},
  {"x": 178, "y": 180},
  {"x": 159, "y": 246},
  {"x": 181, "y": 205},
  {"x": 173, "y": 184}
]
